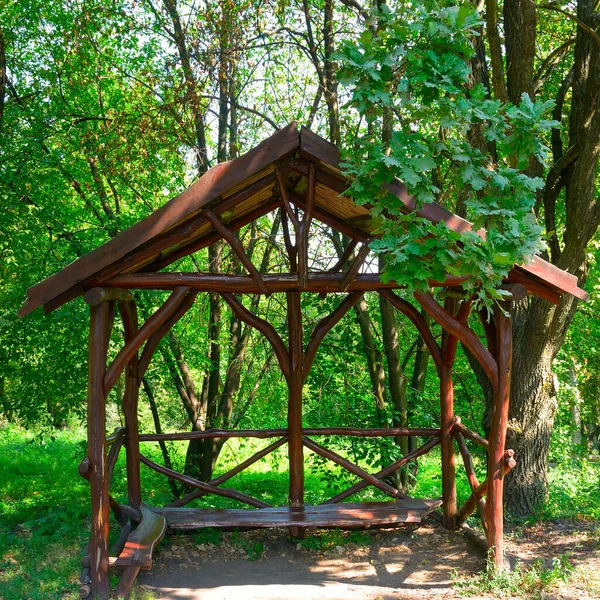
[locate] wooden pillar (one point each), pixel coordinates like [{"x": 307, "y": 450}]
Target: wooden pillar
[
  {"x": 449, "y": 344},
  {"x": 130, "y": 409},
  {"x": 295, "y": 382},
  {"x": 100, "y": 325},
  {"x": 497, "y": 437}
]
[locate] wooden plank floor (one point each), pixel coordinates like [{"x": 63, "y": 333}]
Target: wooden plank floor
[{"x": 354, "y": 514}]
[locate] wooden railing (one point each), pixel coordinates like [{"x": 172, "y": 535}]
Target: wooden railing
[
  {"x": 211, "y": 487},
  {"x": 478, "y": 490}
]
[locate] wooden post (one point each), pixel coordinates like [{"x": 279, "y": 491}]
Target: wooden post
[
  {"x": 295, "y": 380},
  {"x": 130, "y": 409},
  {"x": 497, "y": 437},
  {"x": 98, "y": 345},
  {"x": 449, "y": 343}
]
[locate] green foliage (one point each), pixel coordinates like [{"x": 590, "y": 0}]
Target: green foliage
[
  {"x": 326, "y": 540},
  {"x": 531, "y": 582},
  {"x": 254, "y": 550},
  {"x": 412, "y": 65},
  {"x": 210, "y": 535},
  {"x": 574, "y": 490}
]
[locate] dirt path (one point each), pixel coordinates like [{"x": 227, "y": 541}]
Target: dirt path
[{"x": 415, "y": 562}]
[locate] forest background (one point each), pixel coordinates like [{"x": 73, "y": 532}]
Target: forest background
[{"x": 109, "y": 108}]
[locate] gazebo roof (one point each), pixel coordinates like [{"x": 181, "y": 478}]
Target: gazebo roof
[{"x": 238, "y": 192}]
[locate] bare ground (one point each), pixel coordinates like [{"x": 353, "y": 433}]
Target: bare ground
[{"x": 415, "y": 562}]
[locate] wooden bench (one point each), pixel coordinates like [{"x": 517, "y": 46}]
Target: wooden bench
[
  {"x": 355, "y": 514},
  {"x": 140, "y": 543}
]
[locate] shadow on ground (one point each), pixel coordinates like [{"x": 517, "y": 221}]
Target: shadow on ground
[{"x": 411, "y": 562}]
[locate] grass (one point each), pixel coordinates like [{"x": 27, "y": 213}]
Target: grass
[
  {"x": 531, "y": 582},
  {"x": 44, "y": 506}
]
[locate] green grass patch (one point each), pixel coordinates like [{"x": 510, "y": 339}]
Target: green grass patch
[
  {"x": 44, "y": 504},
  {"x": 531, "y": 582}
]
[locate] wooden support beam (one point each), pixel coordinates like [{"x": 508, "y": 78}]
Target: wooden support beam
[
  {"x": 497, "y": 436},
  {"x": 354, "y": 469},
  {"x": 150, "y": 326},
  {"x": 303, "y": 227},
  {"x": 210, "y": 434},
  {"x": 97, "y": 295},
  {"x": 331, "y": 220},
  {"x": 232, "y": 472},
  {"x": 96, "y": 434},
  {"x": 343, "y": 259},
  {"x": 242, "y": 313},
  {"x": 294, "y": 415},
  {"x": 534, "y": 286},
  {"x": 237, "y": 247},
  {"x": 193, "y": 244},
  {"x": 130, "y": 407},
  {"x": 324, "y": 326},
  {"x": 284, "y": 197},
  {"x": 269, "y": 433},
  {"x": 239, "y": 284},
  {"x": 418, "y": 320},
  {"x": 424, "y": 449},
  {"x": 126, "y": 582},
  {"x": 206, "y": 487},
  {"x": 508, "y": 464},
  {"x": 471, "y": 476},
  {"x": 468, "y": 433},
  {"x": 113, "y": 455},
  {"x": 463, "y": 333},
  {"x": 292, "y": 250},
  {"x": 449, "y": 345},
  {"x": 355, "y": 265}
]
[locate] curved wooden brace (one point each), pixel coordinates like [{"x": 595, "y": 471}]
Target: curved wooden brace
[
  {"x": 286, "y": 201},
  {"x": 407, "y": 309},
  {"x": 158, "y": 335},
  {"x": 242, "y": 313},
  {"x": 355, "y": 265},
  {"x": 324, "y": 326},
  {"x": 471, "y": 476},
  {"x": 449, "y": 352},
  {"x": 148, "y": 328},
  {"x": 237, "y": 247},
  {"x": 343, "y": 259},
  {"x": 463, "y": 333},
  {"x": 508, "y": 463}
]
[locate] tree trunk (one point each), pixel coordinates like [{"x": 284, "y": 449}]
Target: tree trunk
[{"x": 539, "y": 327}]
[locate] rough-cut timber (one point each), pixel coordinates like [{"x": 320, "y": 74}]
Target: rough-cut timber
[{"x": 409, "y": 510}]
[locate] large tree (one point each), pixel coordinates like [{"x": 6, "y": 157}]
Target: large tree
[{"x": 474, "y": 140}]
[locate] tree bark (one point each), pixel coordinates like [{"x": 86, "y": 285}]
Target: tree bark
[{"x": 539, "y": 327}]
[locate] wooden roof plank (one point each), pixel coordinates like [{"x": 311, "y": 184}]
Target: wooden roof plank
[
  {"x": 215, "y": 182},
  {"x": 173, "y": 225}
]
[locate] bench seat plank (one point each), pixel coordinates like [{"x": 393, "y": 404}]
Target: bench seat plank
[
  {"x": 141, "y": 542},
  {"x": 365, "y": 514}
]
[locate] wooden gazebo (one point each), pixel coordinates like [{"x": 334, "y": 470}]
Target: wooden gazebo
[{"x": 296, "y": 172}]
